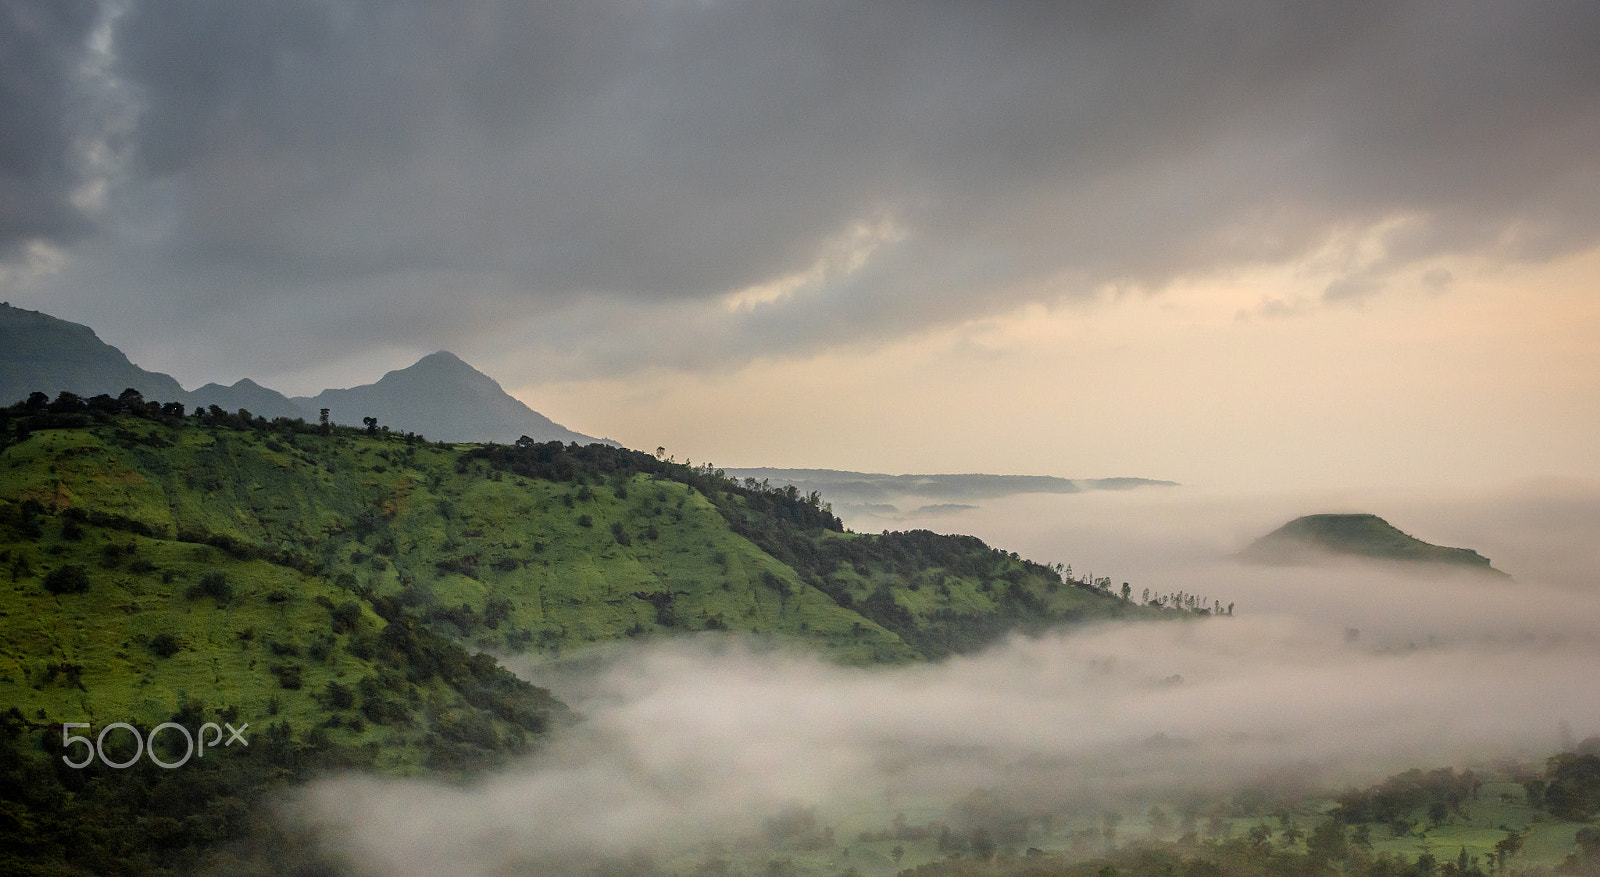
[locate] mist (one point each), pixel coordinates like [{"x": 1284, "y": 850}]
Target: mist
[{"x": 1325, "y": 677}]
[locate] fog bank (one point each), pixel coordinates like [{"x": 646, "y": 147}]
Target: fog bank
[{"x": 696, "y": 739}]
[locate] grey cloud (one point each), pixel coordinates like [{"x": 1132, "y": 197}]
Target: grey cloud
[
  {"x": 1352, "y": 288},
  {"x": 42, "y": 46},
  {"x": 577, "y": 159}
]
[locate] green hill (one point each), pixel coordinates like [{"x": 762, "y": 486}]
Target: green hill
[
  {"x": 1355, "y": 535},
  {"x": 334, "y": 589}
]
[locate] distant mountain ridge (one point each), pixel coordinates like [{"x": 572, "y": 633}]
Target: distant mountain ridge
[
  {"x": 251, "y": 396},
  {"x": 40, "y": 353},
  {"x": 870, "y": 493},
  {"x": 440, "y": 396},
  {"x": 1311, "y": 537}
]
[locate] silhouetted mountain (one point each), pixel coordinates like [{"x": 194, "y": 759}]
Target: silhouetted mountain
[
  {"x": 1315, "y": 537},
  {"x": 251, "y": 396},
  {"x": 445, "y": 399},
  {"x": 439, "y": 397},
  {"x": 42, "y": 353}
]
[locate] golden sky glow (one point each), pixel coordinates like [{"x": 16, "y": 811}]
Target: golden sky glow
[{"x": 1495, "y": 378}]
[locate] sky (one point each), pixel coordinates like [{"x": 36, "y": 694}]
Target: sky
[{"x": 1260, "y": 245}]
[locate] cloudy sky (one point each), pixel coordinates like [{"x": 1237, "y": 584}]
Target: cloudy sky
[{"x": 1222, "y": 243}]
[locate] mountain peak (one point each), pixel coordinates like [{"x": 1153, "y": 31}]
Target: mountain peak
[
  {"x": 440, "y": 395},
  {"x": 441, "y": 357},
  {"x": 441, "y": 366},
  {"x": 249, "y": 395},
  {"x": 443, "y": 397}
]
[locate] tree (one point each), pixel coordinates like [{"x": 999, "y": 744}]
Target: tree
[
  {"x": 1328, "y": 842},
  {"x": 214, "y": 585},
  {"x": 1260, "y": 835},
  {"x": 1585, "y": 859},
  {"x": 66, "y": 402},
  {"x": 1438, "y": 812},
  {"x": 1572, "y": 789},
  {"x": 1362, "y": 836},
  {"x": 69, "y": 579},
  {"x": 165, "y": 645},
  {"x": 371, "y": 424},
  {"x": 1507, "y": 848}
]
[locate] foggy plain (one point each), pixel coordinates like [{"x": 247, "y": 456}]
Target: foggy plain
[{"x": 1325, "y": 677}]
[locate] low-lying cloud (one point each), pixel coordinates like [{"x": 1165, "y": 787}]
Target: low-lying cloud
[{"x": 692, "y": 740}]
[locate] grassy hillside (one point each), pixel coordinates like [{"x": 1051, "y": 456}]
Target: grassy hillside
[
  {"x": 1356, "y": 535},
  {"x": 532, "y": 547},
  {"x": 337, "y": 590},
  {"x": 131, "y": 594}
]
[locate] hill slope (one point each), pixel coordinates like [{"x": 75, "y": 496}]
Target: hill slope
[
  {"x": 535, "y": 545},
  {"x": 115, "y": 613},
  {"x": 328, "y": 586},
  {"x": 1355, "y": 535}
]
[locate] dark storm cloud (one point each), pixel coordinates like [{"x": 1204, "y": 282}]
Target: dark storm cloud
[
  {"x": 671, "y": 153},
  {"x": 42, "y": 46}
]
